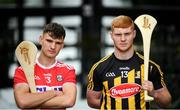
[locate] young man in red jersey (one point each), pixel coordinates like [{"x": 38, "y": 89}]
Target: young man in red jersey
[{"x": 55, "y": 81}]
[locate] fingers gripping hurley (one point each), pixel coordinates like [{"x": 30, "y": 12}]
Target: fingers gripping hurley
[
  {"x": 26, "y": 53},
  {"x": 146, "y": 24}
]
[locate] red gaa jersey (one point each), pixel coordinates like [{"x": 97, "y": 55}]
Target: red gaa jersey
[{"x": 48, "y": 78}]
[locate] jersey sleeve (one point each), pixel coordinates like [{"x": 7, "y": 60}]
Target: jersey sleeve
[
  {"x": 157, "y": 77},
  {"x": 93, "y": 80},
  {"x": 70, "y": 75},
  {"x": 19, "y": 76}
]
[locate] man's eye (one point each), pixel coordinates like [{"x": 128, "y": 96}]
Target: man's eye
[
  {"x": 118, "y": 34},
  {"x": 127, "y": 34},
  {"x": 49, "y": 40},
  {"x": 59, "y": 43}
]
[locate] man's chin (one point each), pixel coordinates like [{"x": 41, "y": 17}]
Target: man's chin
[
  {"x": 123, "y": 49},
  {"x": 51, "y": 56}
]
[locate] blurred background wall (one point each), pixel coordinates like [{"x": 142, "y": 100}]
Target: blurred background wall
[{"x": 87, "y": 24}]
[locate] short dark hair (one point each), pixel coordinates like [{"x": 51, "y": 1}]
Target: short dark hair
[{"x": 55, "y": 30}]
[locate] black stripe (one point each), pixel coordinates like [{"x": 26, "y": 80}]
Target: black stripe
[
  {"x": 105, "y": 100},
  {"x": 137, "y": 96},
  {"x": 124, "y": 101},
  {"x": 113, "y": 103}
]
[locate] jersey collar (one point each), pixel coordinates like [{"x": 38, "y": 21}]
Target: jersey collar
[{"x": 44, "y": 67}]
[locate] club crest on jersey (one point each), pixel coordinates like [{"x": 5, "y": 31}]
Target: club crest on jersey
[
  {"x": 125, "y": 90},
  {"x": 59, "y": 77},
  {"x": 137, "y": 74}
]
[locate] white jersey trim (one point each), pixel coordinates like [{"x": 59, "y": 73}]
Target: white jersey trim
[{"x": 44, "y": 67}]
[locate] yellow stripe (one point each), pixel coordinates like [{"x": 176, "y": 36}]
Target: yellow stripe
[
  {"x": 142, "y": 103},
  {"x": 131, "y": 99},
  {"x": 108, "y": 105},
  {"x": 117, "y": 81}
]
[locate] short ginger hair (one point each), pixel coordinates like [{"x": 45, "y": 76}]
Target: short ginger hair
[{"x": 122, "y": 21}]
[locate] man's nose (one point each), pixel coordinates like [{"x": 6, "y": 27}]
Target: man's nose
[
  {"x": 122, "y": 37},
  {"x": 53, "y": 45}
]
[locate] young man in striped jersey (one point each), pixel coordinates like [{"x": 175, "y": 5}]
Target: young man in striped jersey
[{"x": 116, "y": 81}]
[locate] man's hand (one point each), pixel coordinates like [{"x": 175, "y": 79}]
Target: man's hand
[{"x": 148, "y": 85}]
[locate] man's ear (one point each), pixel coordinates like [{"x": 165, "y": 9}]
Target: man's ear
[
  {"x": 111, "y": 34},
  {"x": 134, "y": 33},
  {"x": 40, "y": 39},
  {"x": 63, "y": 45}
]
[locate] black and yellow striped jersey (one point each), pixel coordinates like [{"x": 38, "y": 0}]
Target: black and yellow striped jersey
[{"x": 120, "y": 81}]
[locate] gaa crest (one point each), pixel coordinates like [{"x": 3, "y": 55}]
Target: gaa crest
[{"x": 59, "y": 77}]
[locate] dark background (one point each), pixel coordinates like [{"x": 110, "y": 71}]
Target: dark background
[{"x": 165, "y": 48}]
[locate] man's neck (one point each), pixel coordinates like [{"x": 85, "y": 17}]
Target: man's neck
[
  {"x": 124, "y": 55},
  {"x": 45, "y": 61}
]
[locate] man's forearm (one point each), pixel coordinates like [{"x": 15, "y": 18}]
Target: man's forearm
[
  {"x": 34, "y": 100},
  {"x": 64, "y": 99},
  {"x": 163, "y": 99},
  {"x": 95, "y": 104},
  {"x": 61, "y": 101}
]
